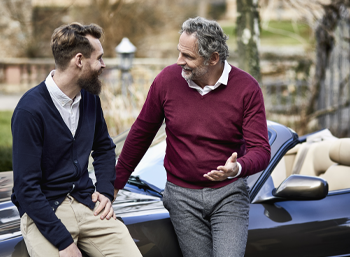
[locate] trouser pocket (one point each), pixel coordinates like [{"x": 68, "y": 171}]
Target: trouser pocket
[{"x": 24, "y": 224}]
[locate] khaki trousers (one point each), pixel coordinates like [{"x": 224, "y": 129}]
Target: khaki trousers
[{"x": 94, "y": 236}]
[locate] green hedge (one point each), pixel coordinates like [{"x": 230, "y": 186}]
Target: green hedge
[
  {"x": 5, "y": 141},
  {"x": 5, "y": 158}
]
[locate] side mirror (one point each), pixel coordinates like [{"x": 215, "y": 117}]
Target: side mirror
[{"x": 300, "y": 187}]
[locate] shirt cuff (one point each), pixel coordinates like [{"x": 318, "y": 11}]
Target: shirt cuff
[{"x": 238, "y": 173}]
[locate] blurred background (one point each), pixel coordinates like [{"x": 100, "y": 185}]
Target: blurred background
[{"x": 298, "y": 50}]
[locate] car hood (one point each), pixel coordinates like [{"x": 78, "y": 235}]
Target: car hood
[{"x": 126, "y": 205}]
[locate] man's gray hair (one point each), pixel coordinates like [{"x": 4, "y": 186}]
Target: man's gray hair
[{"x": 211, "y": 38}]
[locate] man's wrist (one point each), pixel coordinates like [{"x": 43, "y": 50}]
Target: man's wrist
[{"x": 238, "y": 173}]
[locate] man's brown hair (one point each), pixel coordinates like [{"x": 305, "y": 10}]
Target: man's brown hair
[{"x": 68, "y": 40}]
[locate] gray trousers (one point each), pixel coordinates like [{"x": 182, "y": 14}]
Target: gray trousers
[{"x": 210, "y": 222}]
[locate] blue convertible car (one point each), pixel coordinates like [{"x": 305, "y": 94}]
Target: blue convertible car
[{"x": 299, "y": 205}]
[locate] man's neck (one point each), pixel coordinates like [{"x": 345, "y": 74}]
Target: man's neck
[
  {"x": 66, "y": 83},
  {"x": 212, "y": 76}
]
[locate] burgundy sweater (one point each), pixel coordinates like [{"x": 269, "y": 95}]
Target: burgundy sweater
[{"x": 202, "y": 131}]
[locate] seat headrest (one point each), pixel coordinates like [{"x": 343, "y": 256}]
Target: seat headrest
[
  {"x": 321, "y": 159},
  {"x": 340, "y": 151}
]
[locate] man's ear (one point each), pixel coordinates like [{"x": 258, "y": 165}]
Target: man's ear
[
  {"x": 78, "y": 60},
  {"x": 214, "y": 58}
]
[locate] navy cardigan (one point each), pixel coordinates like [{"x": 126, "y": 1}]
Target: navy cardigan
[{"x": 49, "y": 163}]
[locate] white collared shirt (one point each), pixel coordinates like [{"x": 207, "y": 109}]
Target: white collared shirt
[
  {"x": 67, "y": 107},
  {"x": 222, "y": 80}
]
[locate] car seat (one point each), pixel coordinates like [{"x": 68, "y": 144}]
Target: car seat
[
  {"x": 314, "y": 152},
  {"x": 338, "y": 175}
]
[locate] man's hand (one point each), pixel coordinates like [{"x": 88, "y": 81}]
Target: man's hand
[
  {"x": 105, "y": 204},
  {"x": 223, "y": 172},
  {"x": 71, "y": 251}
]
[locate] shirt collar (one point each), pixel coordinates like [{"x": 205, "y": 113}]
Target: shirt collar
[
  {"x": 56, "y": 92},
  {"x": 224, "y": 76}
]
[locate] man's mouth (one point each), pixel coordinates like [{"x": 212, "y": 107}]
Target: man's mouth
[{"x": 186, "y": 69}]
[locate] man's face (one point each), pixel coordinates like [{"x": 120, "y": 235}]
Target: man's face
[
  {"x": 92, "y": 69},
  {"x": 192, "y": 63}
]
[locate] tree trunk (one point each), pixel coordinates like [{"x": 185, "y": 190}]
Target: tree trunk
[
  {"x": 203, "y": 8},
  {"x": 324, "y": 45},
  {"x": 248, "y": 36}
]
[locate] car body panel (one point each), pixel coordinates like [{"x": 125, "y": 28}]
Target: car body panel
[
  {"x": 300, "y": 228},
  {"x": 277, "y": 226}
]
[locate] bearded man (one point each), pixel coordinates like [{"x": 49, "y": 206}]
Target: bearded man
[
  {"x": 55, "y": 127},
  {"x": 216, "y": 137}
]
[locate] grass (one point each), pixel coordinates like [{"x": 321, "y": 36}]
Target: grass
[
  {"x": 276, "y": 33},
  {"x": 5, "y": 128},
  {"x": 5, "y": 141}
]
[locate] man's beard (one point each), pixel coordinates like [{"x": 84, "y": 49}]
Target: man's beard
[
  {"x": 196, "y": 73},
  {"x": 90, "y": 82}
]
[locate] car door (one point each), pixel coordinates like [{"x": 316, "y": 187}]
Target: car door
[
  {"x": 289, "y": 227},
  {"x": 301, "y": 228}
]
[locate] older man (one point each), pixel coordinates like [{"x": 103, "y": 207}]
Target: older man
[
  {"x": 55, "y": 126},
  {"x": 216, "y": 137}
]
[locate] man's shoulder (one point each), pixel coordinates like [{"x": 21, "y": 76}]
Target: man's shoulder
[
  {"x": 173, "y": 70},
  {"x": 168, "y": 77},
  {"x": 33, "y": 96},
  {"x": 243, "y": 78},
  {"x": 33, "y": 100}
]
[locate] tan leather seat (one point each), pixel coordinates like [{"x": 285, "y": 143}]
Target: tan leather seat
[
  {"x": 321, "y": 160},
  {"x": 310, "y": 158},
  {"x": 315, "y": 163},
  {"x": 316, "y": 160},
  {"x": 314, "y": 152},
  {"x": 338, "y": 175},
  {"x": 290, "y": 157}
]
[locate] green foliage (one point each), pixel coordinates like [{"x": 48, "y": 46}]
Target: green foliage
[
  {"x": 5, "y": 141},
  {"x": 276, "y": 33},
  {"x": 5, "y": 158},
  {"x": 285, "y": 33}
]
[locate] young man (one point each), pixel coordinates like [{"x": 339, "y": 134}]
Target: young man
[
  {"x": 214, "y": 113},
  {"x": 55, "y": 126}
]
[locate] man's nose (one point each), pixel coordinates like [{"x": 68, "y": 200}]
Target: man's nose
[
  {"x": 103, "y": 65},
  {"x": 180, "y": 60}
]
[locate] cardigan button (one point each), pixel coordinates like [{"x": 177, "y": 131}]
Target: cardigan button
[
  {"x": 57, "y": 203},
  {"x": 75, "y": 161}
]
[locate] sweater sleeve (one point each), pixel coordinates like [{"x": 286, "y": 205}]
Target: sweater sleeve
[
  {"x": 140, "y": 135},
  {"x": 103, "y": 155},
  {"x": 255, "y": 134},
  {"x": 27, "y": 149}
]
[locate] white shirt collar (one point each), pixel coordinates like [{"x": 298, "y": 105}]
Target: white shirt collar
[
  {"x": 222, "y": 80},
  {"x": 56, "y": 92},
  {"x": 224, "y": 76}
]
